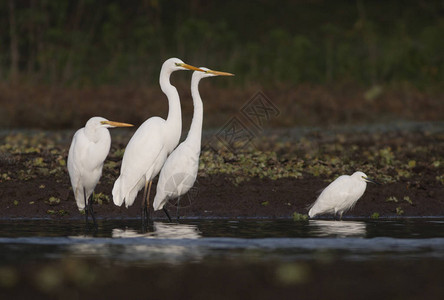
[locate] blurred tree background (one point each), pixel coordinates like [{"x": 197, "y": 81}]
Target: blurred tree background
[{"x": 58, "y": 50}]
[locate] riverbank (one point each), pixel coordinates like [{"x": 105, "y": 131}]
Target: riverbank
[{"x": 273, "y": 175}]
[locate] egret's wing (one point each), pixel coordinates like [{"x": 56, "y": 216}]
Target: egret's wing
[
  {"x": 351, "y": 196},
  {"x": 343, "y": 195},
  {"x": 76, "y": 155},
  {"x": 182, "y": 160},
  {"x": 178, "y": 174},
  {"x": 96, "y": 152},
  {"x": 141, "y": 154},
  {"x": 338, "y": 188},
  {"x": 327, "y": 200},
  {"x": 143, "y": 149}
]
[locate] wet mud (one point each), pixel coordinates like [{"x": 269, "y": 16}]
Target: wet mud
[{"x": 273, "y": 177}]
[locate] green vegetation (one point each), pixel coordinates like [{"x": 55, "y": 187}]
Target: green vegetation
[
  {"x": 299, "y": 217},
  {"x": 309, "y": 161},
  {"x": 327, "y": 157},
  {"x": 53, "y": 201},
  {"x": 274, "y": 159},
  {"x": 395, "y": 200},
  {"x": 392, "y": 199},
  {"x": 83, "y": 43},
  {"x": 375, "y": 215},
  {"x": 408, "y": 200},
  {"x": 100, "y": 198},
  {"x": 59, "y": 212},
  {"x": 248, "y": 163}
]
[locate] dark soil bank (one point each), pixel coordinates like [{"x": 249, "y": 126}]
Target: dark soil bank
[
  {"x": 216, "y": 196},
  {"x": 273, "y": 178}
]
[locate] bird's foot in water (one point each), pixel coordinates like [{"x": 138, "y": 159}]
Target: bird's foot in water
[
  {"x": 167, "y": 214},
  {"x": 338, "y": 217},
  {"x": 145, "y": 218}
]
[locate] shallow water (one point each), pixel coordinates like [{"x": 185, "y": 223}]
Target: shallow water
[{"x": 199, "y": 240}]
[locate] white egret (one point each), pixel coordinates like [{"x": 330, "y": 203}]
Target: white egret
[
  {"x": 150, "y": 145},
  {"x": 340, "y": 195},
  {"x": 89, "y": 149},
  {"x": 179, "y": 172}
]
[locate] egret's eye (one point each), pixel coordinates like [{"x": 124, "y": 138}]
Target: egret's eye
[{"x": 177, "y": 64}]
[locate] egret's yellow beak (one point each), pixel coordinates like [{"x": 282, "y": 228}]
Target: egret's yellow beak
[
  {"x": 189, "y": 67},
  {"x": 219, "y": 73},
  {"x": 116, "y": 124}
]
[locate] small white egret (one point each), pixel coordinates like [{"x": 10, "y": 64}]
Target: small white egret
[
  {"x": 89, "y": 149},
  {"x": 340, "y": 195},
  {"x": 150, "y": 145},
  {"x": 179, "y": 172}
]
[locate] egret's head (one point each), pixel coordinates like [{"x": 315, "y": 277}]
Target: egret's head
[
  {"x": 99, "y": 122},
  {"x": 362, "y": 176},
  {"x": 210, "y": 73},
  {"x": 176, "y": 64}
]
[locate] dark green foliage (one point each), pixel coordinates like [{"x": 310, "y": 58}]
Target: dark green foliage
[{"x": 84, "y": 42}]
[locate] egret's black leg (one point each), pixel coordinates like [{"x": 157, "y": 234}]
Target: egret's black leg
[
  {"x": 338, "y": 216},
  {"x": 144, "y": 209},
  {"x": 177, "y": 209},
  {"x": 147, "y": 203},
  {"x": 167, "y": 214},
  {"x": 142, "y": 216},
  {"x": 86, "y": 206},
  {"x": 91, "y": 210}
]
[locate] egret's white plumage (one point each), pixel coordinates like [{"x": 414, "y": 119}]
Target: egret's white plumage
[
  {"x": 89, "y": 149},
  {"x": 150, "y": 145},
  {"x": 179, "y": 172},
  {"x": 340, "y": 195}
]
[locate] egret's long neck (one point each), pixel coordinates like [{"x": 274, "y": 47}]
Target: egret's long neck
[
  {"x": 93, "y": 134},
  {"x": 174, "y": 119},
  {"x": 195, "y": 134}
]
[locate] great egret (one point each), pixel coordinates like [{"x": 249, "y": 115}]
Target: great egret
[
  {"x": 340, "y": 195},
  {"x": 179, "y": 172},
  {"x": 89, "y": 148},
  {"x": 150, "y": 145}
]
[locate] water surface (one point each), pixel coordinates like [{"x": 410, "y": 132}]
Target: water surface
[{"x": 198, "y": 240}]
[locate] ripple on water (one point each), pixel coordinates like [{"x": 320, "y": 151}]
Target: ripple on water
[{"x": 195, "y": 241}]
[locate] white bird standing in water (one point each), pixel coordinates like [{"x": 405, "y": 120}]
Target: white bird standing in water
[
  {"x": 340, "y": 195},
  {"x": 179, "y": 172},
  {"x": 89, "y": 149},
  {"x": 150, "y": 145}
]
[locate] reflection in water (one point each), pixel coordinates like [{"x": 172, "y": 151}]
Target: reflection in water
[
  {"x": 264, "y": 240},
  {"x": 161, "y": 231},
  {"x": 322, "y": 228},
  {"x": 147, "y": 247}
]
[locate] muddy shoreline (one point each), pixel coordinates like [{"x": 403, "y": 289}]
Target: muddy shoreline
[
  {"x": 217, "y": 197},
  {"x": 274, "y": 176}
]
